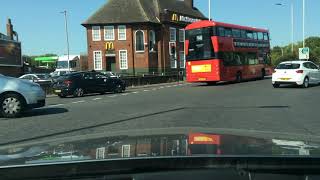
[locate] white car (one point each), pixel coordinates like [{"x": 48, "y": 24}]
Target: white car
[
  {"x": 38, "y": 78},
  {"x": 17, "y": 95},
  {"x": 302, "y": 73}
]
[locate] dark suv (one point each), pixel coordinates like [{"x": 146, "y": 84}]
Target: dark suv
[{"x": 80, "y": 83}]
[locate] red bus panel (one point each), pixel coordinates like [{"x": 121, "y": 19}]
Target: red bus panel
[{"x": 203, "y": 71}]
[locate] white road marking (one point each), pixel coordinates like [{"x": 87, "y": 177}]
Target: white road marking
[
  {"x": 175, "y": 85},
  {"x": 96, "y": 99},
  {"x": 113, "y": 96},
  {"x": 168, "y": 86},
  {"x": 146, "y": 90},
  {"x": 154, "y": 89},
  {"x": 125, "y": 94},
  {"x": 55, "y": 105},
  {"x": 161, "y": 87},
  {"x": 77, "y": 102},
  {"x": 135, "y": 92}
]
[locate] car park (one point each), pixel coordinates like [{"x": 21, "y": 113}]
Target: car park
[
  {"x": 302, "y": 73},
  {"x": 17, "y": 96},
  {"x": 80, "y": 83}
]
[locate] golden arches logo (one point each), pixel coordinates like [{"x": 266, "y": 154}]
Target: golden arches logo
[
  {"x": 174, "y": 17},
  {"x": 109, "y": 46}
]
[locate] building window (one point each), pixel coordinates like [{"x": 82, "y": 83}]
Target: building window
[
  {"x": 100, "y": 153},
  {"x": 109, "y": 33},
  {"x": 181, "y": 35},
  {"x": 96, "y": 35},
  {"x": 125, "y": 151},
  {"x": 173, "y": 54},
  {"x": 139, "y": 41},
  {"x": 173, "y": 34},
  {"x": 182, "y": 59},
  {"x": 123, "y": 57},
  {"x": 152, "y": 39},
  {"x": 97, "y": 58},
  {"x": 122, "y": 34}
]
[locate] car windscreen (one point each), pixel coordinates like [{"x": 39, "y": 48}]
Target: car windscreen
[{"x": 288, "y": 66}]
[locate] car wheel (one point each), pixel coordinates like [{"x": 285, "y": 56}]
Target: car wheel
[
  {"x": 211, "y": 83},
  {"x": 118, "y": 89},
  {"x": 239, "y": 77},
  {"x": 78, "y": 92},
  {"x": 276, "y": 85},
  {"x": 305, "y": 82},
  {"x": 263, "y": 74},
  {"x": 12, "y": 105},
  {"x": 61, "y": 96}
]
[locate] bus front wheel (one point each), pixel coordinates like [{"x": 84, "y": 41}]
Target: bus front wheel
[{"x": 238, "y": 77}]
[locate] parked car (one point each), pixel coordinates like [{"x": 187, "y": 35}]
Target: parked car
[
  {"x": 17, "y": 96},
  {"x": 56, "y": 74},
  {"x": 111, "y": 74},
  {"x": 80, "y": 83},
  {"x": 302, "y": 73},
  {"x": 38, "y": 78}
]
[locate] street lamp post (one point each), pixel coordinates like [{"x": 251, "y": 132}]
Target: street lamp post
[
  {"x": 209, "y": 9},
  {"x": 292, "y": 23},
  {"x": 67, "y": 36},
  {"x": 303, "y": 22}
]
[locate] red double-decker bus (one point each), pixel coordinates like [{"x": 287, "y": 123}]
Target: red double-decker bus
[{"x": 218, "y": 51}]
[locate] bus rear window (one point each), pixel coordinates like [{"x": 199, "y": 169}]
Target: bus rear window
[
  {"x": 200, "y": 44},
  {"x": 288, "y": 66}
]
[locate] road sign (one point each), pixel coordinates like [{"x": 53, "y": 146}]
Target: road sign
[{"x": 304, "y": 53}]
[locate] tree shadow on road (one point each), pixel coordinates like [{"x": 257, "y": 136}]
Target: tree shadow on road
[{"x": 44, "y": 111}]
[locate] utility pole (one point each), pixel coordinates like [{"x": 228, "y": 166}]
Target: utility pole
[{"x": 292, "y": 26}]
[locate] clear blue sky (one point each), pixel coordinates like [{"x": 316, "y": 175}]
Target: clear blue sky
[{"x": 41, "y": 26}]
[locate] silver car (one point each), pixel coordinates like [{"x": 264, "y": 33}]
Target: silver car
[{"x": 17, "y": 96}]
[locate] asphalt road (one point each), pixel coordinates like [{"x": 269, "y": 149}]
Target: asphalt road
[{"x": 250, "y": 107}]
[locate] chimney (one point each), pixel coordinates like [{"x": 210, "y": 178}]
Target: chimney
[
  {"x": 189, "y": 3},
  {"x": 9, "y": 29}
]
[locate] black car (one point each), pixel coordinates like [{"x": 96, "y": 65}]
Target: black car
[{"x": 80, "y": 83}]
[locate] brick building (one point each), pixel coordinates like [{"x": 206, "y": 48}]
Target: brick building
[
  {"x": 10, "y": 52},
  {"x": 139, "y": 36}
]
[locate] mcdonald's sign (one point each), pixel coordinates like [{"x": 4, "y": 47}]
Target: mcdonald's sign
[
  {"x": 174, "y": 17},
  {"x": 109, "y": 46}
]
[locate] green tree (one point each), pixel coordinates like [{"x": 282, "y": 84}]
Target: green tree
[{"x": 280, "y": 54}]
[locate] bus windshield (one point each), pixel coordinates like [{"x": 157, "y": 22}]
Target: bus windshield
[{"x": 200, "y": 44}]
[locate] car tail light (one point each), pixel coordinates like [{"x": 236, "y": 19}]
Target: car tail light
[
  {"x": 299, "y": 71},
  {"x": 67, "y": 82}
]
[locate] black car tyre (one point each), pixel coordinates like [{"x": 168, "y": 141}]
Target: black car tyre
[
  {"x": 12, "y": 105},
  {"x": 118, "y": 88},
  {"x": 305, "y": 82},
  {"x": 238, "y": 77},
  {"x": 276, "y": 85},
  {"x": 78, "y": 92},
  {"x": 263, "y": 74},
  {"x": 61, "y": 95}
]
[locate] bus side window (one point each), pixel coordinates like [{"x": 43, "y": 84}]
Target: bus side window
[
  {"x": 243, "y": 34},
  {"x": 236, "y": 33},
  {"x": 237, "y": 59},
  {"x": 265, "y": 36},
  {"x": 228, "y": 32},
  {"x": 221, "y": 31},
  {"x": 249, "y": 35},
  {"x": 260, "y": 35},
  {"x": 255, "y": 35}
]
